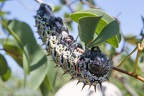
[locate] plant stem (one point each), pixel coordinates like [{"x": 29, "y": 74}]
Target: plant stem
[
  {"x": 129, "y": 73},
  {"x": 127, "y": 57},
  {"x": 137, "y": 57}
]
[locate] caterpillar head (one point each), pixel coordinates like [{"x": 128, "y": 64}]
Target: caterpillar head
[{"x": 99, "y": 64}]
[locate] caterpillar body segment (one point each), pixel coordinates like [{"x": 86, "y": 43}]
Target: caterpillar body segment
[{"x": 89, "y": 66}]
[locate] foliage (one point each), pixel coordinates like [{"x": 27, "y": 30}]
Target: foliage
[{"x": 21, "y": 45}]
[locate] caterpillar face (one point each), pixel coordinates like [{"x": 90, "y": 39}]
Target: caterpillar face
[{"x": 89, "y": 66}]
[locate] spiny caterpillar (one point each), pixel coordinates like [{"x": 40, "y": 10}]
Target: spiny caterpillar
[{"x": 89, "y": 66}]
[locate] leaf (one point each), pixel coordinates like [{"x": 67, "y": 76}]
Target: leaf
[
  {"x": 91, "y": 12},
  {"x": 2, "y": 0},
  {"x": 23, "y": 31},
  {"x": 13, "y": 34},
  {"x": 3, "y": 13},
  {"x": 15, "y": 52},
  {"x": 46, "y": 87},
  {"x": 7, "y": 75},
  {"x": 39, "y": 67},
  {"x": 108, "y": 31},
  {"x": 26, "y": 63},
  {"x": 106, "y": 19},
  {"x": 86, "y": 28},
  {"x": 132, "y": 40},
  {"x": 57, "y": 8},
  {"x": 3, "y": 65},
  {"x": 9, "y": 41}
]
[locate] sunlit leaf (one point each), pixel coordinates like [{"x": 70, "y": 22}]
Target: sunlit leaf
[
  {"x": 108, "y": 32},
  {"x": 23, "y": 31},
  {"x": 13, "y": 34},
  {"x": 106, "y": 19},
  {"x": 57, "y": 8}
]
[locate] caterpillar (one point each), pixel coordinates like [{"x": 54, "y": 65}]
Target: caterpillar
[{"x": 87, "y": 65}]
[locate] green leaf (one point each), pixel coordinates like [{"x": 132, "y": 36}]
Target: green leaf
[
  {"x": 15, "y": 52},
  {"x": 2, "y": 0},
  {"x": 105, "y": 20},
  {"x": 3, "y": 65},
  {"x": 86, "y": 28},
  {"x": 39, "y": 67},
  {"x": 131, "y": 39},
  {"x": 57, "y": 8},
  {"x": 46, "y": 86},
  {"x": 91, "y": 12},
  {"x": 23, "y": 31},
  {"x": 26, "y": 63},
  {"x": 5, "y": 71},
  {"x": 9, "y": 41},
  {"x": 7, "y": 75},
  {"x": 13, "y": 34},
  {"x": 3, "y": 13},
  {"x": 108, "y": 31}
]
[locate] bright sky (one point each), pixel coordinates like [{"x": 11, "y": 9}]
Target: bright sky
[{"x": 130, "y": 17}]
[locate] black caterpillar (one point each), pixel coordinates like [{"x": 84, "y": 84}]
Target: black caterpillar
[{"x": 89, "y": 66}]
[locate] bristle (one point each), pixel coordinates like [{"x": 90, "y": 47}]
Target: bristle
[
  {"x": 78, "y": 82},
  {"x": 95, "y": 88},
  {"x": 89, "y": 86},
  {"x": 64, "y": 73},
  {"x": 100, "y": 85},
  {"x": 83, "y": 86},
  {"x": 71, "y": 78},
  {"x": 47, "y": 54},
  {"x": 107, "y": 78},
  {"x": 56, "y": 66}
]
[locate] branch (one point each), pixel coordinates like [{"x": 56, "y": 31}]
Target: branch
[
  {"x": 69, "y": 6},
  {"x": 129, "y": 73},
  {"x": 89, "y": 4},
  {"x": 39, "y": 1},
  {"x": 127, "y": 57},
  {"x": 140, "y": 48}
]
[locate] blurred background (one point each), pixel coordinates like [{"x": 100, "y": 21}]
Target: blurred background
[{"x": 128, "y": 13}]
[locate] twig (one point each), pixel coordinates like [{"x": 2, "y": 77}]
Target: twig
[
  {"x": 127, "y": 57},
  {"x": 89, "y": 4},
  {"x": 39, "y": 1},
  {"x": 129, "y": 73},
  {"x": 140, "y": 48},
  {"x": 69, "y": 6}
]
